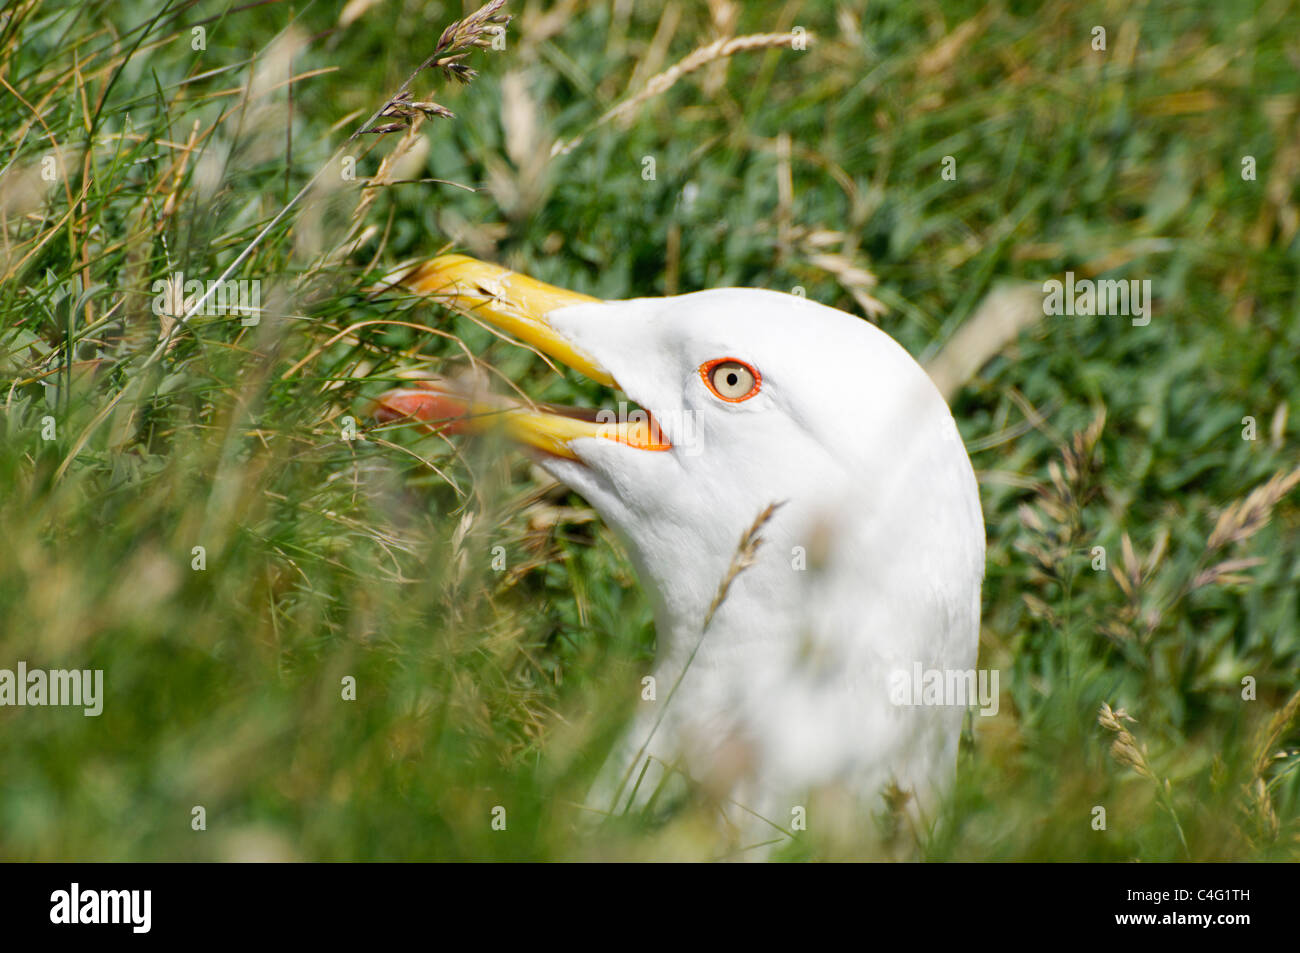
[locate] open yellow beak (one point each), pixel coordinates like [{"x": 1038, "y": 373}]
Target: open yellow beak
[
  {"x": 517, "y": 305},
  {"x": 507, "y": 300}
]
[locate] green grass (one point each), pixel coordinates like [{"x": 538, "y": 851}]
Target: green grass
[{"x": 373, "y": 558}]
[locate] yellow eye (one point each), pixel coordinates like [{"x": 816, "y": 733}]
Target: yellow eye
[{"x": 730, "y": 379}]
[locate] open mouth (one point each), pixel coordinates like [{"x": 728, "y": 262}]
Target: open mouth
[{"x": 518, "y": 306}]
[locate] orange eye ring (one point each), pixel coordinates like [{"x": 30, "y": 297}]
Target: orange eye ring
[{"x": 733, "y": 389}]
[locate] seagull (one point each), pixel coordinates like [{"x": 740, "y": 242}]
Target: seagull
[{"x": 798, "y": 504}]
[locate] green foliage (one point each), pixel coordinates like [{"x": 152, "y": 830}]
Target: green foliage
[{"x": 372, "y": 558}]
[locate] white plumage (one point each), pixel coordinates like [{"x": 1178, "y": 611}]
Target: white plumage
[{"x": 871, "y": 563}]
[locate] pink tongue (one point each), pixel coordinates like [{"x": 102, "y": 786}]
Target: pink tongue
[{"x": 441, "y": 411}]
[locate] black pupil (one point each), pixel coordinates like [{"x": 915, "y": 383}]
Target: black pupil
[{"x": 733, "y": 378}]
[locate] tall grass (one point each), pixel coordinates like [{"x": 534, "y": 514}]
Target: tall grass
[{"x": 493, "y": 629}]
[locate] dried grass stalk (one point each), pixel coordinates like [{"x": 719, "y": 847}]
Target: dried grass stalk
[
  {"x": 1270, "y": 738},
  {"x": 742, "y": 559},
  {"x": 693, "y": 61},
  {"x": 1125, "y": 749},
  {"x": 1245, "y": 518},
  {"x": 476, "y": 31}
]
